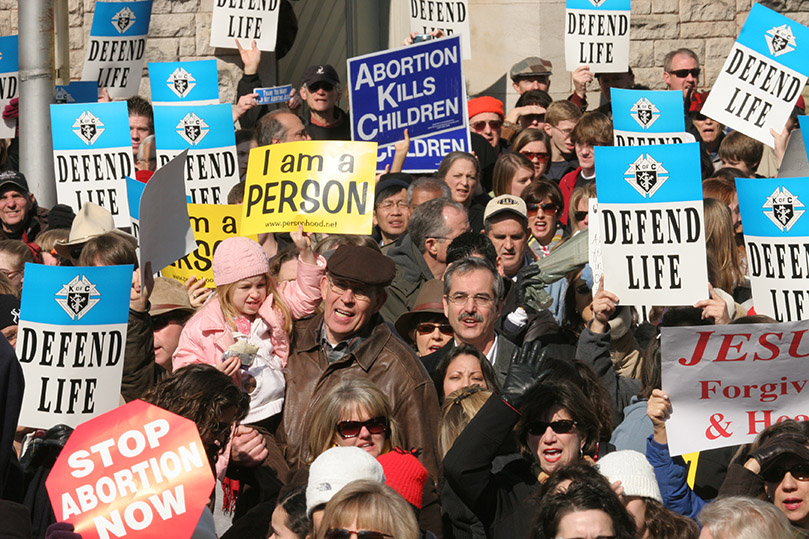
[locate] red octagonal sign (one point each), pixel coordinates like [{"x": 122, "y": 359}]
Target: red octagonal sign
[{"x": 136, "y": 471}]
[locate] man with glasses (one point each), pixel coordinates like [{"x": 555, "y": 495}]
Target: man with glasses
[
  {"x": 560, "y": 119},
  {"x": 320, "y": 91},
  {"x": 681, "y": 70},
  {"x": 391, "y": 210},
  {"x": 485, "y": 118}
]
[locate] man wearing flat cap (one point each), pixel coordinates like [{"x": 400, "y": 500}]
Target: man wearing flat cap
[{"x": 349, "y": 340}]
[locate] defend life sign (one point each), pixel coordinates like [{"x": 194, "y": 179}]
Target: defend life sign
[
  {"x": 245, "y": 20},
  {"x": 212, "y": 224},
  {"x": 419, "y": 88},
  {"x": 326, "y": 186},
  {"x": 71, "y": 342},
  {"x": 763, "y": 76},
  {"x": 597, "y": 35},
  {"x": 9, "y": 81},
  {"x": 727, "y": 383},
  {"x": 776, "y": 235},
  {"x": 138, "y": 471},
  {"x": 450, "y": 16},
  {"x": 652, "y": 232},
  {"x": 206, "y": 131},
  {"x": 92, "y": 156},
  {"x": 115, "y": 53},
  {"x": 189, "y": 83},
  {"x": 644, "y": 117}
]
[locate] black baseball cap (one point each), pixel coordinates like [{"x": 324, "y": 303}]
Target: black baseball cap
[
  {"x": 14, "y": 178},
  {"x": 320, "y": 73}
]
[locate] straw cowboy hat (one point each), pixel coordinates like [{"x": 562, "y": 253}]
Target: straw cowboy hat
[{"x": 91, "y": 221}]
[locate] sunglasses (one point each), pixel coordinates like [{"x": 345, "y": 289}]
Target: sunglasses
[
  {"x": 425, "y": 328},
  {"x": 531, "y": 118},
  {"x": 481, "y": 125},
  {"x": 340, "y": 533},
  {"x": 580, "y": 215},
  {"x": 316, "y": 87},
  {"x": 683, "y": 73},
  {"x": 548, "y": 208},
  {"x": 562, "y": 426},
  {"x": 775, "y": 474},
  {"x": 541, "y": 156},
  {"x": 352, "y": 429}
]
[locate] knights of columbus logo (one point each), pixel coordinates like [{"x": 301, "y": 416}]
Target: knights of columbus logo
[
  {"x": 780, "y": 40},
  {"x": 644, "y": 112},
  {"x": 646, "y": 175},
  {"x": 63, "y": 96},
  {"x": 88, "y": 127},
  {"x": 597, "y": 3},
  {"x": 192, "y": 128},
  {"x": 79, "y": 296},
  {"x": 783, "y": 206},
  {"x": 123, "y": 20},
  {"x": 181, "y": 82}
]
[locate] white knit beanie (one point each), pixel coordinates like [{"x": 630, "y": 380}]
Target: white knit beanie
[
  {"x": 633, "y": 471},
  {"x": 334, "y": 469}
]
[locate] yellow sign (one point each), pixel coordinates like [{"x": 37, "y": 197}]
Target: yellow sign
[
  {"x": 326, "y": 186},
  {"x": 212, "y": 224}
]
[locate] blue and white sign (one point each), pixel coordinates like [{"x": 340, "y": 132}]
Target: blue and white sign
[
  {"x": 245, "y": 21},
  {"x": 276, "y": 94},
  {"x": 189, "y": 83},
  {"x": 78, "y": 91},
  {"x": 763, "y": 76},
  {"x": 92, "y": 156},
  {"x": 9, "y": 82},
  {"x": 419, "y": 88},
  {"x": 776, "y": 236},
  {"x": 115, "y": 52},
  {"x": 206, "y": 131},
  {"x": 71, "y": 342},
  {"x": 651, "y": 223},
  {"x": 134, "y": 190},
  {"x": 644, "y": 117},
  {"x": 597, "y": 35}
]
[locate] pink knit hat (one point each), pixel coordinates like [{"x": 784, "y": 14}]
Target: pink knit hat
[{"x": 238, "y": 258}]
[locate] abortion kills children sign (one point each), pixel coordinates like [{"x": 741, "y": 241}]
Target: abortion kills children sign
[
  {"x": 597, "y": 35},
  {"x": 644, "y": 117},
  {"x": 763, "y": 77},
  {"x": 92, "y": 156},
  {"x": 451, "y": 17},
  {"x": 245, "y": 20},
  {"x": 206, "y": 131},
  {"x": 650, "y": 203},
  {"x": 729, "y": 382},
  {"x": 419, "y": 88},
  {"x": 71, "y": 342},
  {"x": 138, "y": 471},
  {"x": 776, "y": 236},
  {"x": 9, "y": 81},
  {"x": 115, "y": 52},
  {"x": 189, "y": 83}
]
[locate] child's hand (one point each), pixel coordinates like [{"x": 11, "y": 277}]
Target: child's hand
[
  {"x": 229, "y": 366},
  {"x": 304, "y": 244},
  {"x": 197, "y": 293}
]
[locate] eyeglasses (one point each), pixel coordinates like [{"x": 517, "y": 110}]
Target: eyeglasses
[
  {"x": 481, "y": 125},
  {"x": 352, "y": 429},
  {"x": 700, "y": 117},
  {"x": 75, "y": 252},
  {"x": 583, "y": 289},
  {"x": 683, "y": 73},
  {"x": 580, "y": 215},
  {"x": 541, "y": 156},
  {"x": 425, "y": 328},
  {"x": 317, "y": 86},
  {"x": 359, "y": 293},
  {"x": 531, "y": 118},
  {"x": 775, "y": 474},
  {"x": 340, "y": 533},
  {"x": 548, "y": 208},
  {"x": 562, "y": 426},
  {"x": 389, "y": 204},
  {"x": 565, "y": 132},
  {"x": 480, "y": 300}
]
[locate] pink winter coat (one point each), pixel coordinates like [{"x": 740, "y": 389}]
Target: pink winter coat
[{"x": 206, "y": 337}]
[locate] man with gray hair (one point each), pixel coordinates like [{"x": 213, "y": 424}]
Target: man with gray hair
[
  {"x": 425, "y": 189},
  {"x": 421, "y": 254},
  {"x": 280, "y": 126},
  {"x": 681, "y": 70}
]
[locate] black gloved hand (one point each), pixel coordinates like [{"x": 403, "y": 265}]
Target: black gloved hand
[
  {"x": 61, "y": 530},
  {"x": 524, "y": 373},
  {"x": 779, "y": 446}
]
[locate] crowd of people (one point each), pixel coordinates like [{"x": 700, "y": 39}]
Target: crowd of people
[{"x": 450, "y": 375}]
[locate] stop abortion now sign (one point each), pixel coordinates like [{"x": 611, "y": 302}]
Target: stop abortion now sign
[{"x": 138, "y": 472}]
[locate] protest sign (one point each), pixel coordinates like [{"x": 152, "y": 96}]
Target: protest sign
[
  {"x": 644, "y": 117},
  {"x": 9, "y": 81},
  {"x": 451, "y": 17},
  {"x": 597, "y": 35},
  {"x": 71, "y": 342},
  {"x": 729, "y": 382},
  {"x": 189, "y": 83},
  {"x": 776, "y": 237},
  {"x": 206, "y": 131},
  {"x": 92, "y": 156},
  {"x": 276, "y": 94},
  {"x": 115, "y": 52},
  {"x": 421, "y": 88},
  {"x": 653, "y": 241},
  {"x": 212, "y": 224},
  {"x": 246, "y": 21},
  {"x": 795, "y": 162},
  {"x": 595, "y": 241},
  {"x": 138, "y": 471},
  {"x": 78, "y": 91},
  {"x": 763, "y": 76},
  {"x": 326, "y": 186}
]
